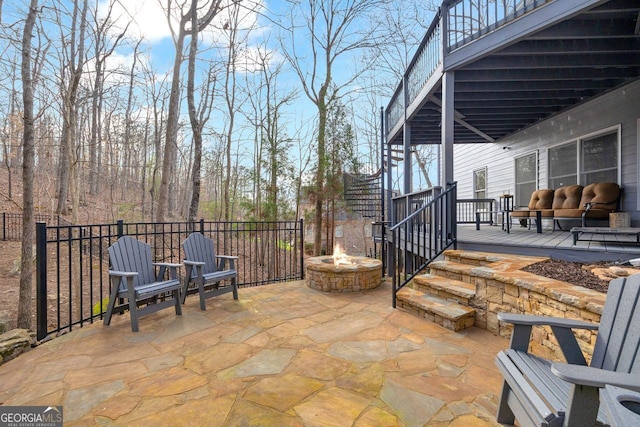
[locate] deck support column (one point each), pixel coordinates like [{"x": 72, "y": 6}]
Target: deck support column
[
  {"x": 406, "y": 155},
  {"x": 448, "y": 115}
]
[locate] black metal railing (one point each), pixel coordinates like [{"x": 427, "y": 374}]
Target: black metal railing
[
  {"x": 72, "y": 280},
  {"x": 11, "y": 224},
  {"x": 468, "y": 20},
  {"x": 467, "y": 209},
  {"x": 418, "y": 238},
  {"x": 363, "y": 194},
  {"x": 458, "y": 23}
]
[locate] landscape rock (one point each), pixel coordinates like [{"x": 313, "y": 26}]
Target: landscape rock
[
  {"x": 619, "y": 271},
  {"x": 14, "y": 343}
]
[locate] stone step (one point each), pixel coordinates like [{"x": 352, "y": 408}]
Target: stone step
[
  {"x": 449, "y": 289},
  {"x": 449, "y": 314},
  {"x": 459, "y": 271},
  {"x": 498, "y": 262},
  {"x": 473, "y": 258}
]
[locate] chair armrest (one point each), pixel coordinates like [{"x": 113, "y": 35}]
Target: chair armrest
[
  {"x": 526, "y": 319},
  {"x": 193, "y": 263},
  {"x": 167, "y": 264},
  {"x": 223, "y": 260},
  {"x": 562, "y": 329},
  {"x": 173, "y": 269},
  {"x": 594, "y": 377},
  {"x": 227, "y": 257},
  {"x": 123, "y": 273}
]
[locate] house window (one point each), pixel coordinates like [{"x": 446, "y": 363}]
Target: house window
[
  {"x": 526, "y": 178},
  {"x": 480, "y": 183},
  {"x": 563, "y": 161},
  {"x": 590, "y": 159},
  {"x": 599, "y": 159}
]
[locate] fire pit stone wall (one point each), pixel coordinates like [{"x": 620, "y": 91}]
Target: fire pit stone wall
[{"x": 364, "y": 273}]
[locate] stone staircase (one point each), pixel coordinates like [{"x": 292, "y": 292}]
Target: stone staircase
[{"x": 447, "y": 294}]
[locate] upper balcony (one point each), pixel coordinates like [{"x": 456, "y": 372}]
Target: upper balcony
[{"x": 516, "y": 62}]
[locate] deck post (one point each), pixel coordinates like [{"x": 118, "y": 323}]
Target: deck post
[{"x": 448, "y": 115}]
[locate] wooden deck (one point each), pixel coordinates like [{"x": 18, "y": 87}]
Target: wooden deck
[{"x": 555, "y": 244}]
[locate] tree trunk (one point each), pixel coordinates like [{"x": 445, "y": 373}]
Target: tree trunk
[
  {"x": 28, "y": 166},
  {"x": 320, "y": 176},
  {"x": 170, "y": 144}
]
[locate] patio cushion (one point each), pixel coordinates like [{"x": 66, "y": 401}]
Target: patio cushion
[
  {"x": 567, "y": 197},
  {"x": 540, "y": 200},
  {"x": 604, "y": 194}
]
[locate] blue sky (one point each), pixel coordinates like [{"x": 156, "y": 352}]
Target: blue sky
[{"x": 147, "y": 20}]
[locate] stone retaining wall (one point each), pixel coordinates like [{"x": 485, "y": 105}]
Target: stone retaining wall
[
  {"x": 501, "y": 286},
  {"x": 554, "y": 300}
]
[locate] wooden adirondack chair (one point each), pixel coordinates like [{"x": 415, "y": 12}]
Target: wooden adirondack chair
[
  {"x": 538, "y": 392},
  {"x": 133, "y": 278},
  {"x": 204, "y": 267}
]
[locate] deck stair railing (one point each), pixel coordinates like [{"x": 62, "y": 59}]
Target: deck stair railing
[{"x": 424, "y": 226}]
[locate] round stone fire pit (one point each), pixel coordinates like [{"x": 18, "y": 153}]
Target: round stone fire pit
[{"x": 362, "y": 273}]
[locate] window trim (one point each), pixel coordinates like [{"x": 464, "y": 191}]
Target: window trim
[
  {"x": 486, "y": 184},
  {"x": 579, "y": 140},
  {"x": 536, "y": 154}
]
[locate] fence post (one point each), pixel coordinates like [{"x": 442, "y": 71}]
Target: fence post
[
  {"x": 202, "y": 225},
  {"x": 120, "y": 228},
  {"x": 302, "y": 249},
  {"x": 41, "y": 280}
]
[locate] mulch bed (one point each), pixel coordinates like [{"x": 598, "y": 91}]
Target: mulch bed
[{"x": 570, "y": 272}]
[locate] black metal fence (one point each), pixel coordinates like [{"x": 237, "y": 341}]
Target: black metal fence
[
  {"x": 11, "y": 224},
  {"x": 72, "y": 280}
]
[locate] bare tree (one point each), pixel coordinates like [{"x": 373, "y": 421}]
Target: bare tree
[
  {"x": 156, "y": 95},
  {"x": 335, "y": 29},
  {"x": 104, "y": 47},
  {"x": 28, "y": 166},
  {"x": 198, "y": 116},
  {"x": 268, "y": 102},
  {"x": 71, "y": 72},
  {"x": 170, "y": 147}
]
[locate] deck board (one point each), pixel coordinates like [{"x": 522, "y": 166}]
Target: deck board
[{"x": 556, "y": 244}]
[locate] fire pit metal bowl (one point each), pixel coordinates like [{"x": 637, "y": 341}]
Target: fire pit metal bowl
[{"x": 360, "y": 274}]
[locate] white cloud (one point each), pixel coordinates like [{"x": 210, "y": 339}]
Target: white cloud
[{"x": 147, "y": 18}]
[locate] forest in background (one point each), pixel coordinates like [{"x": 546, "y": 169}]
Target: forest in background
[
  {"x": 92, "y": 124},
  {"x": 215, "y": 130}
]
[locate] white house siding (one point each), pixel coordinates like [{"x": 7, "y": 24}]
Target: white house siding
[{"x": 619, "y": 107}]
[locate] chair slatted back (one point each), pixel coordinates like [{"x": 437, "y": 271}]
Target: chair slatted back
[
  {"x": 199, "y": 248},
  {"x": 129, "y": 254},
  {"x": 618, "y": 340}
]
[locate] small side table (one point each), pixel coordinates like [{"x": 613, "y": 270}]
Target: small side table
[
  {"x": 506, "y": 206},
  {"x": 619, "y": 220}
]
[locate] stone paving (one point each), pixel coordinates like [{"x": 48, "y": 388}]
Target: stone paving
[{"x": 282, "y": 355}]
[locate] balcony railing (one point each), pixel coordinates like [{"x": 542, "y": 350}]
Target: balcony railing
[
  {"x": 466, "y": 21},
  {"x": 425, "y": 62}
]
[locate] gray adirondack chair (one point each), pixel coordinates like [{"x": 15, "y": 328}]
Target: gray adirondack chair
[
  {"x": 133, "y": 278},
  {"x": 538, "y": 392},
  {"x": 205, "y": 271}
]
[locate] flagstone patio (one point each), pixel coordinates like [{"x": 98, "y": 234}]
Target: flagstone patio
[{"x": 282, "y": 355}]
